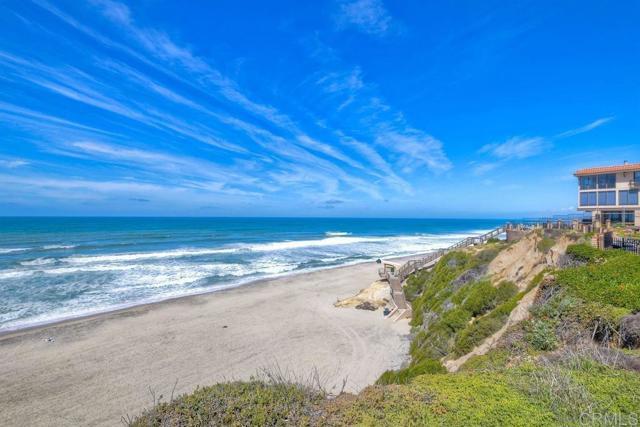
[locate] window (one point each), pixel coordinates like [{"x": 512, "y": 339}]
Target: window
[
  {"x": 607, "y": 180},
  {"x": 587, "y": 182},
  {"x": 606, "y": 198},
  {"x": 588, "y": 198},
  {"x": 617, "y": 216},
  {"x": 636, "y": 176},
  {"x": 612, "y": 216},
  {"x": 628, "y": 197}
]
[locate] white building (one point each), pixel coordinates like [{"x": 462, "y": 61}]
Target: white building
[{"x": 610, "y": 193}]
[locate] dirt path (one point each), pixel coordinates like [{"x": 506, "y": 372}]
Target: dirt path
[{"x": 520, "y": 313}]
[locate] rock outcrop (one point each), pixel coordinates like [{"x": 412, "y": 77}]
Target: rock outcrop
[
  {"x": 630, "y": 331},
  {"x": 371, "y": 298},
  {"x": 522, "y": 261}
]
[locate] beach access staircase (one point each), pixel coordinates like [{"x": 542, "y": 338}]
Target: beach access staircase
[{"x": 396, "y": 277}]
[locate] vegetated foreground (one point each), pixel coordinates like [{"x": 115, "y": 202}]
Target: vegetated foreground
[{"x": 559, "y": 316}]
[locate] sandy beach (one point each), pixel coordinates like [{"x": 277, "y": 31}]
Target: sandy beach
[{"x": 94, "y": 370}]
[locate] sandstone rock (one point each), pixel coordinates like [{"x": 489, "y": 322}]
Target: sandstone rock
[
  {"x": 378, "y": 294},
  {"x": 520, "y": 262}
]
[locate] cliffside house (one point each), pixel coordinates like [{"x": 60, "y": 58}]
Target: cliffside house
[{"x": 610, "y": 193}]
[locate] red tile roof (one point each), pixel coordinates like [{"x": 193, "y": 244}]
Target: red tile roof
[{"x": 629, "y": 167}]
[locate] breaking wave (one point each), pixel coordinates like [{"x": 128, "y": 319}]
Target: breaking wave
[
  {"x": 337, "y": 233},
  {"x": 12, "y": 250}
]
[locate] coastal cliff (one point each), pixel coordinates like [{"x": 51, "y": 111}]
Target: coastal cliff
[{"x": 542, "y": 331}]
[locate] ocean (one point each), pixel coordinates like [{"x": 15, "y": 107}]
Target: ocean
[{"x": 59, "y": 268}]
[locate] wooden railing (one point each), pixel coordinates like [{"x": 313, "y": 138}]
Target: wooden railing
[{"x": 413, "y": 265}]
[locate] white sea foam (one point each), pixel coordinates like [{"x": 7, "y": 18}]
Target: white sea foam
[
  {"x": 51, "y": 247},
  {"x": 12, "y": 250},
  {"x": 151, "y": 276},
  {"x": 38, "y": 261},
  {"x": 329, "y": 241},
  {"x": 45, "y": 247},
  {"x": 214, "y": 269},
  {"x": 16, "y": 274},
  {"x": 337, "y": 233},
  {"x": 271, "y": 267},
  {"x": 331, "y": 258},
  {"x": 261, "y": 247},
  {"x": 337, "y": 247},
  {"x": 178, "y": 253}
]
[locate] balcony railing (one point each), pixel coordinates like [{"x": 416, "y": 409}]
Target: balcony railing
[{"x": 634, "y": 185}]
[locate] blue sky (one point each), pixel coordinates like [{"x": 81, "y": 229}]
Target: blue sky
[{"x": 334, "y": 108}]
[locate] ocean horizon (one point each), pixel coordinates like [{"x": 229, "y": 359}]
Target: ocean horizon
[{"x": 57, "y": 268}]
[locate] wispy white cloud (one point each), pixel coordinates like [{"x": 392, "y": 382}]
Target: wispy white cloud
[
  {"x": 191, "y": 171},
  {"x": 265, "y": 138},
  {"x": 45, "y": 184},
  {"x": 483, "y": 167},
  {"x": 120, "y": 70},
  {"x": 44, "y": 188},
  {"x": 380, "y": 167},
  {"x": 368, "y": 16},
  {"x": 517, "y": 148},
  {"x": 329, "y": 150},
  {"x": 143, "y": 186},
  {"x": 77, "y": 85},
  {"x": 415, "y": 149},
  {"x": 79, "y": 26},
  {"x": 522, "y": 147},
  {"x": 164, "y": 48},
  {"x": 19, "y": 115},
  {"x": 348, "y": 81},
  {"x": 586, "y": 128},
  {"x": 346, "y": 85},
  {"x": 161, "y": 46},
  {"x": 299, "y": 177},
  {"x": 405, "y": 149},
  {"x": 13, "y": 163}
]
